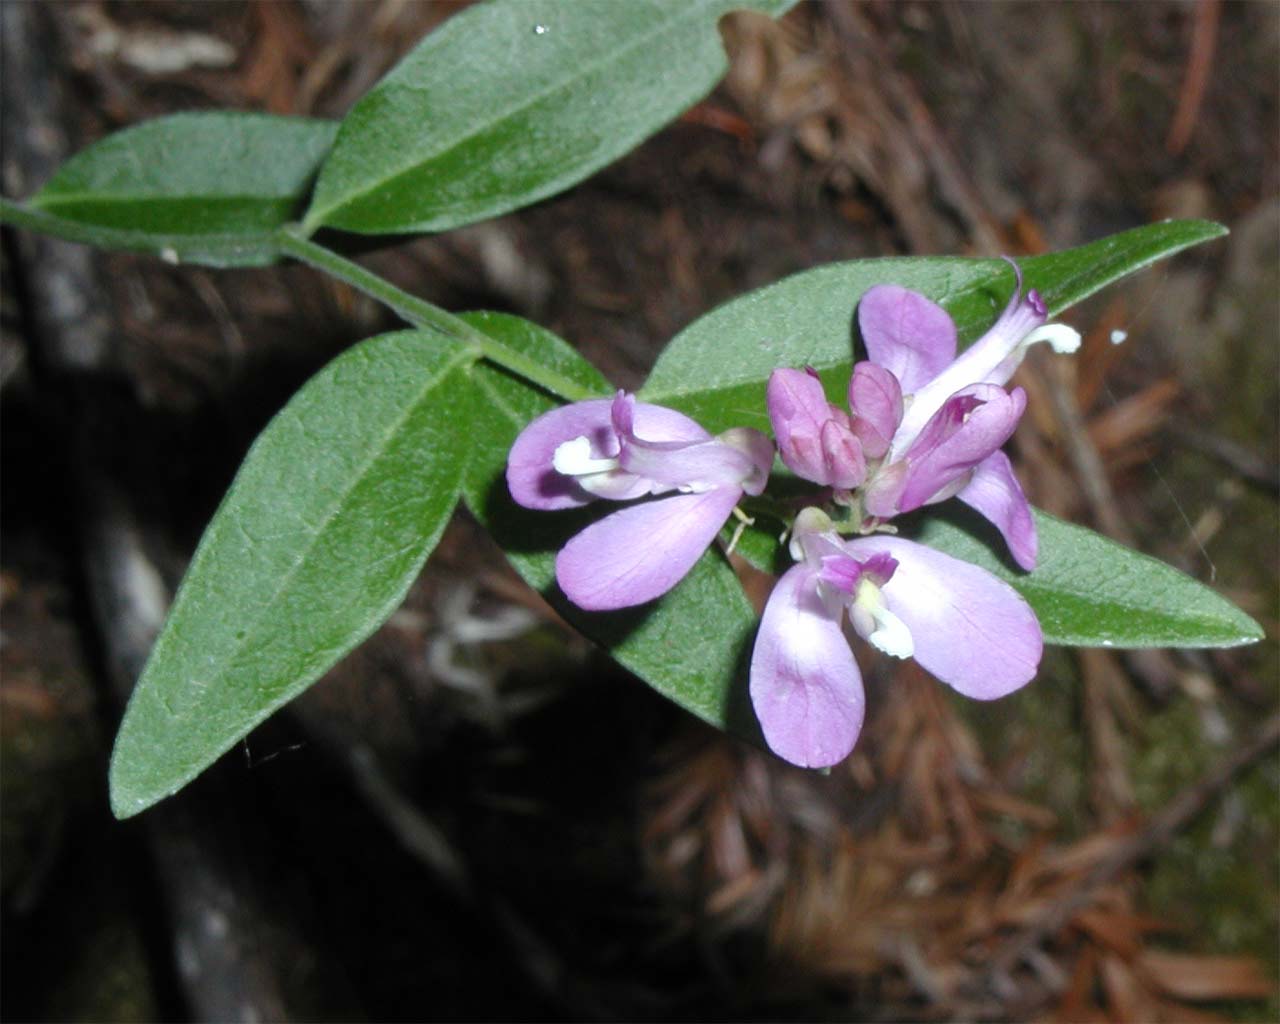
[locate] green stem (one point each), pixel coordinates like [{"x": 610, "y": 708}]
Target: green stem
[
  {"x": 421, "y": 313},
  {"x": 292, "y": 240}
]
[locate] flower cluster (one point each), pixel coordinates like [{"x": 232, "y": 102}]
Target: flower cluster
[{"x": 923, "y": 425}]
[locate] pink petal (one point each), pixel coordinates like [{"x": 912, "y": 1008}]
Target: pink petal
[
  {"x": 798, "y": 411},
  {"x": 875, "y": 397},
  {"x": 906, "y": 334},
  {"x": 805, "y": 685},
  {"x": 842, "y": 457},
  {"x": 653, "y": 424},
  {"x": 883, "y": 492},
  {"x": 642, "y": 551},
  {"x": 701, "y": 465},
  {"x": 759, "y": 451},
  {"x": 998, "y": 352},
  {"x": 532, "y": 479},
  {"x": 989, "y": 360},
  {"x": 659, "y": 424},
  {"x": 969, "y": 427},
  {"x": 995, "y": 492},
  {"x": 970, "y": 629}
]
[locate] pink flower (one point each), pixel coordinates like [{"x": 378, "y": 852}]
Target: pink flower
[
  {"x": 819, "y": 441},
  {"x": 957, "y": 414},
  {"x": 620, "y": 449},
  {"x": 924, "y": 424},
  {"x": 971, "y": 630}
]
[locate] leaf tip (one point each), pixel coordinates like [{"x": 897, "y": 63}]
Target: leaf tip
[
  {"x": 125, "y": 801},
  {"x": 1252, "y": 631},
  {"x": 131, "y": 788},
  {"x": 122, "y": 790},
  {"x": 124, "y": 808},
  {"x": 1209, "y": 229}
]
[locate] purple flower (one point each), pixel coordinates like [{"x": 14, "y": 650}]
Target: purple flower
[
  {"x": 819, "y": 441},
  {"x": 969, "y": 629},
  {"x": 815, "y": 438},
  {"x": 619, "y": 449},
  {"x": 943, "y": 458},
  {"x": 956, "y": 413}
]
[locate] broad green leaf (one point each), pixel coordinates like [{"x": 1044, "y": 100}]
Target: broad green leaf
[
  {"x": 204, "y": 187},
  {"x": 1089, "y": 591},
  {"x": 336, "y": 507},
  {"x": 691, "y": 645},
  {"x": 512, "y": 101},
  {"x": 716, "y": 369}
]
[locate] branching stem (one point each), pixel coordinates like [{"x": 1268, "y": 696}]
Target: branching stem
[
  {"x": 421, "y": 313},
  {"x": 291, "y": 239}
]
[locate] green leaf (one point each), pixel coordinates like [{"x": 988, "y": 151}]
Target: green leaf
[
  {"x": 335, "y": 509},
  {"x": 1089, "y": 591},
  {"x": 716, "y": 369},
  {"x": 691, "y": 645},
  {"x": 512, "y": 101},
  {"x": 204, "y": 187}
]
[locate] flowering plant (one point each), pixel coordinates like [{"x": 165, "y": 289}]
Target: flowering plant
[
  {"x": 923, "y": 425},
  {"x": 343, "y": 497},
  {"x": 968, "y": 628}
]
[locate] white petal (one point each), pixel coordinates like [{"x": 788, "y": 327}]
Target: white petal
[
  {"x": 1061, "y": 338},
  {"x": 891, "y": 635},
  {"x": 573, "y": 458}
]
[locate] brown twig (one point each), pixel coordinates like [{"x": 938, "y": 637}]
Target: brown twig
[
  {"x": 1204, "y": 35},
  {"x": 1157, "y": 832}
]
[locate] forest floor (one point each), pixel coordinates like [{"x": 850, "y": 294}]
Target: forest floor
[{"x": 516, "y": 829}]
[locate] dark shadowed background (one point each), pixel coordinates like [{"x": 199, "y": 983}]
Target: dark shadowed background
[{"x": 478, "y": 816}]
